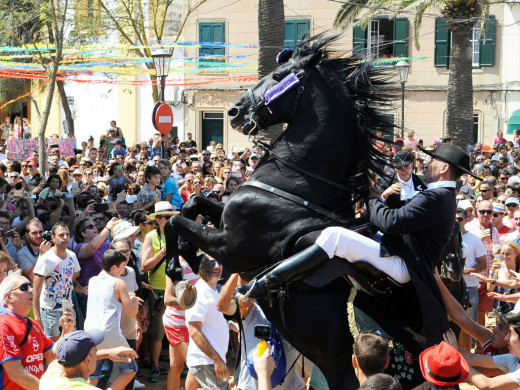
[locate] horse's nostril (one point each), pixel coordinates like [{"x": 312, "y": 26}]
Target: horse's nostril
[{"x": 233, "y": 112}]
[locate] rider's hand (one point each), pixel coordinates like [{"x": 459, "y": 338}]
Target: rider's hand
[{"x": 393, "y": 189}]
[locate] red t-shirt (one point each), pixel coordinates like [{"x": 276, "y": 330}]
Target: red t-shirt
[{"x": 13, "y": 328}]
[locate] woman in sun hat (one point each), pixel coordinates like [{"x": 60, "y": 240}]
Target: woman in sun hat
[{"x": 154, "y": 262}]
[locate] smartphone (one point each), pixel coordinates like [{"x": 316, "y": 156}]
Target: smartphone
[
  {"x": 100, "y": 207},
  {"x": 67, "y": 305},
  {"x": 263, "y": 332}
]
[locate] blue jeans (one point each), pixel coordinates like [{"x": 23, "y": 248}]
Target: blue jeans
[
  {"x": 472, "y": 312},
  {"x": 51, "y": 321}
]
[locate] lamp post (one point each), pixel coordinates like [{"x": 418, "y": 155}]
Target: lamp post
[
  {"x": 161, "y": 60},
  {"x": 402, "y": 68}
]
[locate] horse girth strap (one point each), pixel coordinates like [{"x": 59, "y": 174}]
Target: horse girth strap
[{"x": 295, "y": 199}]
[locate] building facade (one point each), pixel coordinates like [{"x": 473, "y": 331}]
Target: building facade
[{"x": 495, "y": 79}]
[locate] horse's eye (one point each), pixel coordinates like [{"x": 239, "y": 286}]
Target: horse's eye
[{"x": 277, "y": 77}]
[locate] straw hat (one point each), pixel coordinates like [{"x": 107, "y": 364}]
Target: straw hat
[
  {"x": 186, "y": 294},
  {"x": 163, "y": 208},
  {"x": 123, "y": 229}
]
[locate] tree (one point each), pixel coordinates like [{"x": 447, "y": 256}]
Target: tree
[
  {"x": 143, "y": 23},
  {"x": 50, "y": 30},
  {"x": 271, "y": 31},
  {"x": 460, "y": 17}
]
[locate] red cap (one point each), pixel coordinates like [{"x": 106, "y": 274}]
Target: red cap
[{"x": 73, "y": 168}]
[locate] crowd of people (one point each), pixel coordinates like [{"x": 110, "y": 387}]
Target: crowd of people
[{"x": 84, "y": 245}]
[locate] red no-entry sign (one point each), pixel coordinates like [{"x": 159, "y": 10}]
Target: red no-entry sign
[{"x": 162, "y": 118}]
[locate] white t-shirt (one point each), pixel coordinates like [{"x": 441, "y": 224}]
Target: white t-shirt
[
  {"x": 127, "y": 322},
  {"x": 214, "y": 325},
  {"x": 510, "y": 364},
  {"x": 58, "y": 274},
  {"x": 472, "y": 248}
]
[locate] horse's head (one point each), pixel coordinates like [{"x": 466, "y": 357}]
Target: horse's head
[{"x": 274, "y": 99}]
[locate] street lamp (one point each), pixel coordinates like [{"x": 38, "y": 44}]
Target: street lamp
[
  {"x": 402, "y": 68},
  {"x": 161, "y": 60}
]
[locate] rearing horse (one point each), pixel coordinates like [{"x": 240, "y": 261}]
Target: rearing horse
[{"x": 310, "y": 179}]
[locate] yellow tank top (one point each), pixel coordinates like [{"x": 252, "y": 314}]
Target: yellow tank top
[{"x": 158, "y": 278}]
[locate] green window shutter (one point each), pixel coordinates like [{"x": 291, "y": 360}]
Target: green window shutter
[
  {"x": 442, "y": 43},
  {"x": 212, "y": 32},
  {"x": 487, "y": 44},
  {"x": 360, "y": 40},
  {"x": 295, "y": 29},
  {"x": 401, "y": 37}
]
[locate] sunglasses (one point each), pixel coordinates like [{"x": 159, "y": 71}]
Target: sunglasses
[
  {"x": 98, "y": 219},
  {"x": 460, "y": 219},
  {"x": 485, "y": 190},
  {"x": 488, "y": 212},
  {"x": 511, "y": 205},
  {"x": 496, "y": 215},
  {"x": 504, "y": 178},
  {"x": 91, "y": 227},
  {"x": 23, "y": 287},
  {"x": 14, "y": 177},
  {"x": 215, "y": 262}
]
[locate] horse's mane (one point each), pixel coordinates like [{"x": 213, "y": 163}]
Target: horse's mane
[{"x": 367, "y": 88}]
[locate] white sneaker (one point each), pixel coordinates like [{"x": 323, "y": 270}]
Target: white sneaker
[{"x": 138, "y": 385}]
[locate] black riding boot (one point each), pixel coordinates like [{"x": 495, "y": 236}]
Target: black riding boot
[{"x": 294, "y": 268}]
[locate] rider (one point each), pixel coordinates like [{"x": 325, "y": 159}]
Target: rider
[
  {"x": 405, "y": 183},
  {"x": 414, "y": 237}
]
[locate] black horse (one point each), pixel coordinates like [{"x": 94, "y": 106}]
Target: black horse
[{"x": 310, "y": 178}]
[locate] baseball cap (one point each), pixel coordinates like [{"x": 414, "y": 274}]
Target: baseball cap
[
  {"x": 117, "y": 141},
  {"x": 75, "y": 346},
  {"x": 512, "y": 199}
]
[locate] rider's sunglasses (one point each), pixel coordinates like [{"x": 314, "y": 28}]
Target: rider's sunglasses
[
  {"x": 23, "y": 287},
  {"x": 488, "y": 212},
  {"x": 460, "y": 219}
]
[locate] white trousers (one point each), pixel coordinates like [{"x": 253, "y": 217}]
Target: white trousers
[{"x": 349, "y": 245}]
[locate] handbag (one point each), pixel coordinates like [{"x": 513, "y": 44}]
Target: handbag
[{"x": 278, "y": 355}]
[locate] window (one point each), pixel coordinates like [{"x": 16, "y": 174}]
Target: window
[
  {"x": 211, "y": 32},
  {"x": 383, "y": 38},
  {"x": 295, "y": 30},
  {"x": 482, "y": 48},
  {"x": 476, "y": 123}
]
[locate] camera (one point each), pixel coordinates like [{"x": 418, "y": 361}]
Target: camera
[
  {"x": 263, "y": 332},
  {"x": 47, "y": 235}
]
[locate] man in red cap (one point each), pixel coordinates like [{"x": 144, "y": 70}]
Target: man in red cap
[{"x": 443, "y": 366}]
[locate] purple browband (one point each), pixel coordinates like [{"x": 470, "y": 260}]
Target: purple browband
[{"x": 289, "y": 82}]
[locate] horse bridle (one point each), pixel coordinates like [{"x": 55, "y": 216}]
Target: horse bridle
[{"x": 298, "y": 77}]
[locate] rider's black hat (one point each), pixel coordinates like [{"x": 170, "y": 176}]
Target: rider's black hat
[
  {"x": 402, "y": 158},
  {"x": 452, "y": 155}
]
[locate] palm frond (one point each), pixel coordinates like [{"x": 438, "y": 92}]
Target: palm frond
[
  {"x": 420, "y": 9},
  {"x": 484, "y": 17},
  {"x": 348, "y": 12}
]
